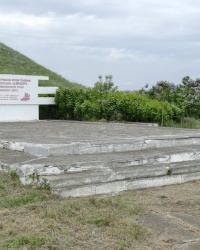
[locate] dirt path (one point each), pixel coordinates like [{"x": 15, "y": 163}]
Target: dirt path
[{"x": 173, "y": 215}]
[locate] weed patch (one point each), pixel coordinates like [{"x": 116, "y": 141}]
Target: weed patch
[
  {"x": 136, "y": 231},
  {"x": 2, "y": 184},
  {"x": 13, "y": 174},
  {"x": 29, "y": 241},
  {"x": 45, "y": 185},
  {"x": 22, "y": 199},
  {"x": 103, "y": 220}
]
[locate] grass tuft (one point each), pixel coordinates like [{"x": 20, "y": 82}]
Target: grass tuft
[
  {"x": 101, "y": 221},
  {"x": 187, "y": 122},
  {"x": 22, "y": 199},
  {"x": 137, "y": 231},
  {"x": 13, "y": 174}
]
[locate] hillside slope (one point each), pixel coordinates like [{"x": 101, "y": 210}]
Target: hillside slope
[{"x": 13, "y": 62}]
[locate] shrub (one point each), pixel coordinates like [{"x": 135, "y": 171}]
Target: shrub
[{"x": 113, "y": 106}]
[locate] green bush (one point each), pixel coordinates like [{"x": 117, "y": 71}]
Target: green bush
[
  {"x": 92, "y": 105},
  {"x": 165, "y": 103}
]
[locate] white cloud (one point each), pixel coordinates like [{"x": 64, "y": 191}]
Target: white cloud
[{"x": 17, "y": 19}]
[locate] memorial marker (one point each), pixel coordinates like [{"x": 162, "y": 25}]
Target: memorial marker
[{"x": 19, "y": 99}]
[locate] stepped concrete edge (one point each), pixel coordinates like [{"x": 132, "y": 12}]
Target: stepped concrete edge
[
  {"x": 91, "y": 148},
  {"x": 128, "y": 156}
]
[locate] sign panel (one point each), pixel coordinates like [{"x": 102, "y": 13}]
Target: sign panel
[{"x": 19, "y": 89}]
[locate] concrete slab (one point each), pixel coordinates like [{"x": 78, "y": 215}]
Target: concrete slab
[
  {"x": 178, "y": 231},
  {"x": 190, "y": 245},
  {"x": 11, "y": 157},
  {"x": 101, "y": 152},
  {"x": 168, "y": 227},
  {"x": 45, "y": 138},
  {"x": 63, "y": 132}
]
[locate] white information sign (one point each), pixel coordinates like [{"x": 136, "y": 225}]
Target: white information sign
[
  {"x": 19, "y": 89},
  {"x": 19, "y": 99}
]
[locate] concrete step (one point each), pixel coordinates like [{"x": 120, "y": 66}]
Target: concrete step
[
  {"x": 78, "y": 163},
  {"x": 80, "y": 158},
  {"x": 103, "y": 175},
  {"x": 102, "y": 146},
  {"x": 106, "y": 188}
]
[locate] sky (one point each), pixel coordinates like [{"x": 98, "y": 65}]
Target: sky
[{"x": 135, "y": 41}]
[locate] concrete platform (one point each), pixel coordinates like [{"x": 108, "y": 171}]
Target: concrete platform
[
  {"x": 63, "y": 132},
  {"x": 84, "y": 158},
  {"x": 47, "y": 138}
]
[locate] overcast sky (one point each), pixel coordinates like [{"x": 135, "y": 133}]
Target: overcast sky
[{"x": 135, "y": 41}]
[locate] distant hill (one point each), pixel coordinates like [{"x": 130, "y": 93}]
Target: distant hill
[{"x": 13, "y": 62}]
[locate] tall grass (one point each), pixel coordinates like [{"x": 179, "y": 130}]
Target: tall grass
[{"x": 187, "y": 122}]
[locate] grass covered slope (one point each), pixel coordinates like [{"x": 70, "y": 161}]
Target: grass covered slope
[{"x": 13, "y": 62}]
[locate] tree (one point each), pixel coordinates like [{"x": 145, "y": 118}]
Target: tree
[
  {"x": 191, "y": 93},
  {"x": 105, "y": 86},
  {"x": 164, "y": 92}
]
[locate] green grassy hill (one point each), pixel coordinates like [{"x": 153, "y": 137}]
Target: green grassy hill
[{"x": 13, "y": 62}]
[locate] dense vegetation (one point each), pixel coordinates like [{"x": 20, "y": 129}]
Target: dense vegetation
[
  {"x": 185, "y": 97},
  {"x": 164, "y": 103}
]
